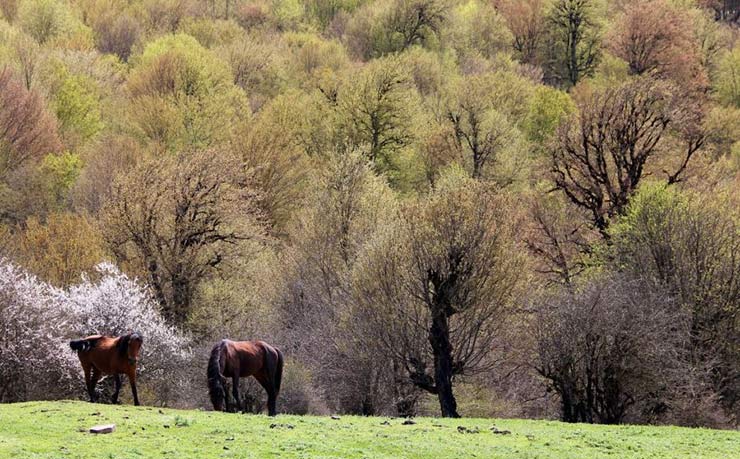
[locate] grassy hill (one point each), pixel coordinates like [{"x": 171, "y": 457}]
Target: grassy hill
[{"x": 59, "y": 430}]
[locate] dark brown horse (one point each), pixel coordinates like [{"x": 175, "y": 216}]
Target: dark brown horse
[
  {"x": 108, "y": 355},
  {"x": 239, "y": 359}
]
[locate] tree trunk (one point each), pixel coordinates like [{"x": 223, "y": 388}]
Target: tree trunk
[{"x": 439, "y": 338}]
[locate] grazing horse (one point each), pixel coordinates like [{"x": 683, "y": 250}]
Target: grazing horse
[
  {"x": 107, "y": 355},
  {"x": 235, "y": 359}
]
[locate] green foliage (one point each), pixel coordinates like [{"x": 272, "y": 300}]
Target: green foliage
[
  {"x": 183, "y": 95},
  {"x": 378, "y": 110},
  {"x": 390, "y": 26},
  {"x": 648, "y": 212},
  {"x": 77, "y": 106},
  {"x": 60, "y": 249},
  {"x": 61, "y": 173},
  {"x": 314, "y": 58},
  {"x": 49, "y": 20},
  {"x": 547, "y": 109},
  {"x": 287, "y": 13},
  {"x": 322, "y": 12},
  {"x": 211, "y": 33},
  {"x": 727, "y": 81},
  {"x": 574, "y": 36},
  {"x": 476, "y": 27}
]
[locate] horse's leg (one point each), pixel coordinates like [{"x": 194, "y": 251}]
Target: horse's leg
[
  {"x": 269, "y": 387},
  {"x": 235, "y": 391},
  {"x": 87, "y": 369},
  {"x": 117, "y": 380},
  {"x": 132, "y": 380},
  {"x": 96, "y": 374}
]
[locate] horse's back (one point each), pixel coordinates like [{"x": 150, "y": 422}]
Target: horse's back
[
  {"x": 103, "y": 355},
  {"x": 248, "y": 356}
]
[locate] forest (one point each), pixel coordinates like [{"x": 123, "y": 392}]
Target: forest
[{"x": 510, "y": 208}]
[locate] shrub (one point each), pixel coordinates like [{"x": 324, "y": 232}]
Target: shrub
[
  {"x": 33, "y": 361},
  {"x": 613, "y": 350},
  {"x": 37, "y": 320}
]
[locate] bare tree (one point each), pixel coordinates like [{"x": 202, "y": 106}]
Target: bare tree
[
  {"x": 559, "y": 239},
  {"x": 601, "y": 154},
  {"x": 316, "y": 306},
  {"x": 615, "y": 344},
  {"x": 178, "y": 219},
  {"x": 441, "y": 283}
]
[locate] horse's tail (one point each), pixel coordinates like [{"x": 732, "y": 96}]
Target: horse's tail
[
  {"x": 215, "y": 376},
  {"x": 84, "y": 344},
  {"x": 274, "y": 364},
  {"x": 278, "y": 371}
]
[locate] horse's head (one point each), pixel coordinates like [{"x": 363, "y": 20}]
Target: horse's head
[{"x": 133, "y": 346}]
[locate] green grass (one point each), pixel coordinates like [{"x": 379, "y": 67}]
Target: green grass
[{"x": 59, "y": 430}]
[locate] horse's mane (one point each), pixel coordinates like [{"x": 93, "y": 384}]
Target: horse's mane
[{"x": 123, "y": 342}]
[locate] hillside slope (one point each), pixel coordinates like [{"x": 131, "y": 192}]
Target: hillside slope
[{"x": 59, "y": 430}]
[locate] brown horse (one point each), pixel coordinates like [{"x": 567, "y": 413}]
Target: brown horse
[
  {"x": 235, "y": 359},
  {"x": 107, "y": 355}
]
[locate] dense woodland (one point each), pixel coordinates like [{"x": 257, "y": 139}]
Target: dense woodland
[{"x": 521, "y": 208}]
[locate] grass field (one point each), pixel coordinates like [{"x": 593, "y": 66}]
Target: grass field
[{"x": 59, "y": 430}]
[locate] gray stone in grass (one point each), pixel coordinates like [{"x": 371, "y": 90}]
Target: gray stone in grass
[{"x": 103, "y": 429}]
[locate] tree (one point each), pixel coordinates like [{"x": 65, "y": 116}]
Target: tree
[
  {"x": 27, "y": 130},
  {"x": 413, "y": 22},
  {"x": 441, "y": 282},
  {"x": 727, "y": 82},
  {"x": 60, "y": 249},
  {"x": 27, "y": 52},
  {"x": 475, "y": 29},
  {"x": 183, "y": 96},
  {"x": 690, "y": 245},
  {"x": 547, "y": 109},
  {"x": 178, "y": 219},
  {"x": 574, "y": 41},
  {"x": 316, "y": 306},
  {"x": 104, "y": 159},
  {"x": 726, "y": 10},
  {"x": 614, "y": 344},
  {"x": 526, "y": 20},
  {"x": 656, "y": 38},
  {"x": 480, "y": 131},
  {"x": 116, "y": 33},
  {"x": 77, "y": 106},
  {"x": 33, "y": 363},
  {"x": 393, "y": 26},
  {"x": 559, "y": 239},
  {"x": 44, "y": 19},
  {"x": 378, "y": 111},
  {"x": 271, "y": 151},
  {"x": 601, "y": 153}
]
